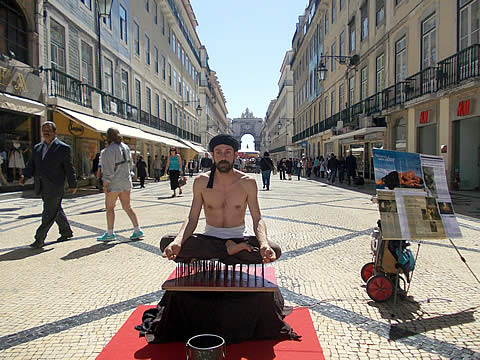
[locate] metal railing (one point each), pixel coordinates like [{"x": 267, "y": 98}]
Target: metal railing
[{"x": 62, "y": 85}]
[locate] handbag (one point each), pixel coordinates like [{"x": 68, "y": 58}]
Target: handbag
[{"x": 182, "y": 181}]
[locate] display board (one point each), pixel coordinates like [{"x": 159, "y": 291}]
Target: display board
[{"x": 413, "y": 197}]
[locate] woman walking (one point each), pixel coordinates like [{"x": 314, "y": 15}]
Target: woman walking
[
  {"x": 174, "y": 162},
  {"x": 141, "y": 170},
  {"x": 116, "y": 162}
]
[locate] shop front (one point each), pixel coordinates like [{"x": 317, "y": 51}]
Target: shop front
[
  {"x": 466, "y": 142},
  {"x": 427, "y": 129},
  {"x": 20, "y": 117},
  {"x": 361, "y": 143}
]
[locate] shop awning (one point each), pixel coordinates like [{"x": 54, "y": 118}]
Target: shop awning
[
  {"x": 24, "y": 105},
  {"x": 194, "y": 147},
  {"x": 102, "y": 125},
  {"x": 349, "y": 136}
]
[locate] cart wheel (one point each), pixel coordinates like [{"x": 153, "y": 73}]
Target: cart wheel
[
  {"x": 367, "y": 271},
  {"x": 379, "y": 288}
]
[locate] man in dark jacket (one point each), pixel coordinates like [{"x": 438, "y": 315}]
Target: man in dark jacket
[
  {"x": 50, "y": 164},
  {"x": 332, "y": 166},
  {"x": 266, "y": 165},
  {"x": 351, "y": 167},
  {"x": 206, "y": 163}
]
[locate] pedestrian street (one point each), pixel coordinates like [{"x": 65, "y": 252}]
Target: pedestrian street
[{"x": 67, "y": 300}]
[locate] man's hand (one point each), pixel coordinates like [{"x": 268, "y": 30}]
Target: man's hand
[
  {"x": 172, "y": 250},
  {"x": 74, "y": 190},
  {"x": 267, "y": 254},
  {"x": 22, "y": 180}
]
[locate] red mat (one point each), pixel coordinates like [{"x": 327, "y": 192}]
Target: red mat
[{"x": 127, "y": 345}]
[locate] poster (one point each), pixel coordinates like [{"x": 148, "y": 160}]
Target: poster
[{"x": 414, "y": 201}]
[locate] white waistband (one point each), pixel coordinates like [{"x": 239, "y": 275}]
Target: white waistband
[{"x": 225, "y": 233}]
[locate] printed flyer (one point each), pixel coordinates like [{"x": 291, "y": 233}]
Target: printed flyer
[{"x": 413, "y": 197}]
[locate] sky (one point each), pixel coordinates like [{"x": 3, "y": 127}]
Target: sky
[{"x": 246, "y": 42}]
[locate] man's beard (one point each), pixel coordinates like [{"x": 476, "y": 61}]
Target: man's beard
[{"x": 224, "y": 166}]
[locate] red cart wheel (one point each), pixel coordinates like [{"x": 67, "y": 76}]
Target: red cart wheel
[
  {"x": 367, "y": 271},
  {"x": 379, "y": 288}
]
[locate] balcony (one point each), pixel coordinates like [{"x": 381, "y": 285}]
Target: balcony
[{"x": 62, "y": 85}]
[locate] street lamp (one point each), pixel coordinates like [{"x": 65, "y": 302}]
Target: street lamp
[{"x": 104, "y": 8}]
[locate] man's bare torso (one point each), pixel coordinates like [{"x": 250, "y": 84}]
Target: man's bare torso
[{"x": 225, "y": 204}]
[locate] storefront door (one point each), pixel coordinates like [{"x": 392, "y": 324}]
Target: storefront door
[{"x": 467, "y": 153}]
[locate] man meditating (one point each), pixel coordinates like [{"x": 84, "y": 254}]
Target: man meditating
[{"x": 224, "y": 193}]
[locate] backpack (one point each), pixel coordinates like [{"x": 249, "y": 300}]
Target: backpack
[{"x": 406, "y": 260}]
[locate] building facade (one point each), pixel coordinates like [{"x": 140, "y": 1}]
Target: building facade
[{"x": 402, "y": 91}]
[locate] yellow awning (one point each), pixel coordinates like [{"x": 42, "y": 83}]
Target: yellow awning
[{"x": 102, "y": 125}]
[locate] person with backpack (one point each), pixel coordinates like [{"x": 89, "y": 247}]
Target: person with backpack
[{"x": 266, "y": 165}]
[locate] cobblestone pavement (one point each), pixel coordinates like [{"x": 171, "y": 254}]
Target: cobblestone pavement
[{"x": 67, "y": 300}]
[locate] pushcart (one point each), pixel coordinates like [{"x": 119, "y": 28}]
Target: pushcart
[{"x": 387, "y": 274}]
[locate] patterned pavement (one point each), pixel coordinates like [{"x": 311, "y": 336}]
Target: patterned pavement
[{"x": 67, "y": 300}]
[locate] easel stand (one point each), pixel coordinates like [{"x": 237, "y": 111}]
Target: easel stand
[{"x": 463, "y": 260}]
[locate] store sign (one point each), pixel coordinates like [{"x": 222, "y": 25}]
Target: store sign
[
  {"x": 21, "y": 82},
  {"x": 304, "y": 144},
  {"x": 75, "y": 129},
  {"x": 463, "y": 108},
  {"x": 424, "y": 117},
  {"x": 358, "y": 137}
]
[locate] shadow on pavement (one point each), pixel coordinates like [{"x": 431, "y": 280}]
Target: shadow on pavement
[
  {"x": 23, "y": 253},
  {"x": 77, "y": 254},
  {"x": 414, "y": 327}
]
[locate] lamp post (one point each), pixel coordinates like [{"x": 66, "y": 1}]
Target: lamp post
[{"x": 104, "y": 8}]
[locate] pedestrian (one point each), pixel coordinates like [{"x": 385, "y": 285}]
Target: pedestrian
[
  {"x": 299, "y": 166},
  {"x": 141, "y": 170},
  {"x": 341, "y": 170},
  {"x": 309, "y": 167},
  {"x": 164, "y": 165},
  {"x": 50, "y": 164},
  {"x": 282, "y": 167},
  {"x": 323, "y": 166},
  {"x": 266, "y": 165},
  {"x": 289, "y": 164},
  {"x": 351, "y": 167},
  {"x": 316, "y": 167},
  {"x": 174, "y": 170},
  {"x": 157, "y": 168},
  {"x": 206, "y": 163},
  {"x": 191, "y": 167},
  {"x": 332, "y": 167},
  {"x": 116, "y": 161}
]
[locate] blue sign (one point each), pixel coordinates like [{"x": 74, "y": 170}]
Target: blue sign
[{"x": 304, "y": 144}]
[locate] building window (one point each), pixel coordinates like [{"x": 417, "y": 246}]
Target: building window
[
  {"x": 179, "y": 47},
  {"x": 351, "y": 91},
  {"x": 164, "y": 109},
  {"x": 397, "y": 2},
  {"x": 123, "y": 24},
  {"x": 13, "y": 31},
  {"x": 341, "y": 96},
  {"x": 342, "y": 4},
  {"x": 57, "y": 45},
  {"x": 87, "y": 63},
  {"x": 87, "y": 3},
  {"x": 352, "y": 37},
  {"x": 163, "y": 26},
  {"x": 148, "y": 98},
  {"x": 342, "y": 44},
  {"x": 124, "y": 84},
  {"x": 429, "y": 47},
  {"x": 157, "y": 105},
  {"x": 334, "y": 11},
  {"x": 147, "y": 5},
  {"x": 107, "y": 20},
  {"x": 174, "y": 43},
  {"x": 155, "y": 14},
  {"x": 326, "y": 20},
  {"x": 170, "y": 75},
  {"x": 155, "y": 58},
  {"x": 138, "y": 94},
  {"x": 170, "y": 106},
  {"x": 163, "y": 67},
  {"x": 469, "y": 23},
  {"x": 334, "y": 53},
  {"x": 136, "y": 38},
  {"x": 147, "y": 50},
  {"x": 175, "y": 116},
  {"x": 326, "y": 107},
  {"x": 332, "y": 103},
  {"x": 380, "y": 12},
  {"x": 401, "y": 59},
  {"x": 364, "y": 21},
  {"x": 363, "y": 83},
  {"x": 108, "y": 75},
  {"x": 380, "y": 74},
  {"x": 175, "y": 80}
]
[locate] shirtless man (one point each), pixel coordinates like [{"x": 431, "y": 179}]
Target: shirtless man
[{"x": 224, "y": 193}]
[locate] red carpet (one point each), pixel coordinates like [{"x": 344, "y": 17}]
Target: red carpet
[{"x": 127, "y": 345}]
